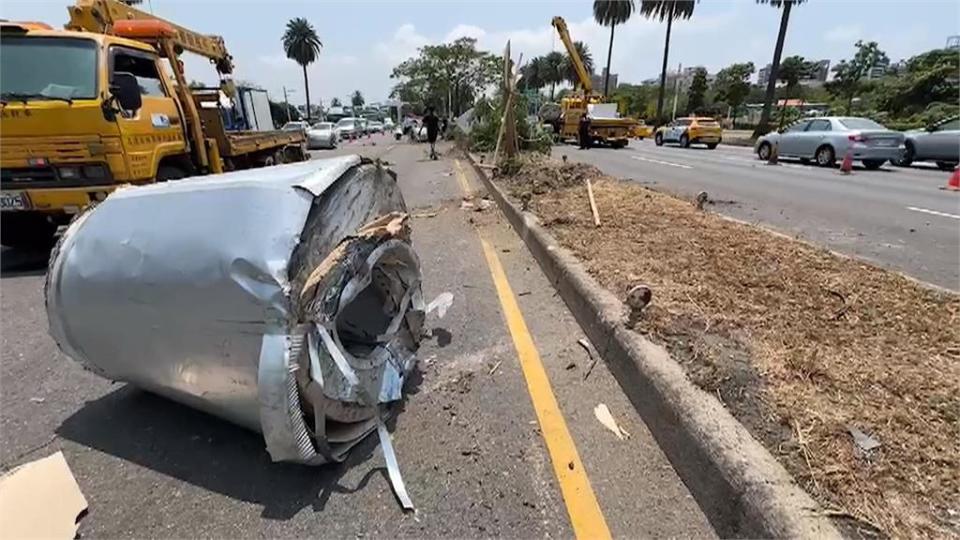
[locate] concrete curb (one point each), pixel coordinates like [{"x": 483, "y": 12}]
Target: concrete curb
[{"x": 738, "y": 484}]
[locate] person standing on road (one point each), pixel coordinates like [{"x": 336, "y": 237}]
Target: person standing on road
[
  {"x": 583, "y": 130},
  {"x": 432, "y": 123}
]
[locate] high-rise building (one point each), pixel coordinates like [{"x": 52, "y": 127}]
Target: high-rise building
[
  {"x": 763, "y": 76},
  {"x": 598, "y": 80}
]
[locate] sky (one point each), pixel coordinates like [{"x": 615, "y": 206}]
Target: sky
[{"x": 364, "y": 39}]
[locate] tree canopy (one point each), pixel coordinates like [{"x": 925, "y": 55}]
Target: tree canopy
[
  {"x": 567, "y": 67},
  {"x": 732, "y": 85},
  {"x": 356, "y": 99},
  {"x": 849, "y": 74},
  {"x": 448, "y": 76},
  {"x": 696, "y": 96}
]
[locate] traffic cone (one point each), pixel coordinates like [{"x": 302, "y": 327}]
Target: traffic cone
[
  {"x": 953, "y": 184},
  {"x": 847, "y": 166},
  {"x": 774, "y": 157}
]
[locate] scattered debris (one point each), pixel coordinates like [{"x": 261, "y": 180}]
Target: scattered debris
[
  {"x": 564, "y": 158},
  {"x": 591, "y": 353},
  {"x": 525, "y": 199},
  {"x": 441, "y": 304},
  {"x": 524, "y": 293},
  {"x": 702, "y": 199},
  {"x": 41, "y": 499},
  {"x": 593, "y": 204},
  {"x": 865, "y": 444},
  {"x": 570, "y": 365},
  {"x": 495, "y": 366},
  {"x": 484, "y": 204},
  {"x": 38, "y": 399},
  {"x": 638, "y": 298},
  {"x": 603, "y": 415},
  {"x": 393, "y": 468},
  {"x": 427, "y": 214}
]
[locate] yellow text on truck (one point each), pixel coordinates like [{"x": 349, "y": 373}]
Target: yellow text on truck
[{"x": 92, "y": 107}]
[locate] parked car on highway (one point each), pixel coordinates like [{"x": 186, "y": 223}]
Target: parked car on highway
[
  {"x": 939, "y": 142},
  {"x": 641, "y": 130},
  {"x": 322, "y": 135},
  {"x": 828, "y": 139},
  {"x": 692, "y": 130},
  {"x": 375, "y": 127},
  {"x": 297, "y": 125},
  {"x": 347, "y": 128},
  {"x": 388, "y": 124}
]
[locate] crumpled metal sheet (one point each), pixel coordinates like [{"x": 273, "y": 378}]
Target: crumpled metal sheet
[{"x": 192, "y": 290}]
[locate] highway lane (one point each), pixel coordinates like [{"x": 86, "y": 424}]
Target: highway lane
[
  {"x": 898, "y": 218},
  {"x": 474, "y": 455}
]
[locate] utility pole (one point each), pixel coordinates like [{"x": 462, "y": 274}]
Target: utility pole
[
  {"x": 676, "y": 91},
  {"x": 286, "y": 103}
]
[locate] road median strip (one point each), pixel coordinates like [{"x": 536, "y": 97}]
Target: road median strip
[{"x": 803, "y": 403}]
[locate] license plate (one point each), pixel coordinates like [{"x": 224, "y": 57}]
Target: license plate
[
  {"x": 13, "y": 200},
  {"x": 886, "y": 142}
]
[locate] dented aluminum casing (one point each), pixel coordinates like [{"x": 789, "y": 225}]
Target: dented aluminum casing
[{"x": 189, "y": 289}]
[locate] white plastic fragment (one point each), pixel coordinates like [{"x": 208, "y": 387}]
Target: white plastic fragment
[
  {"x": 603, "y": 415},
  {"x": 441, "y": 304}
]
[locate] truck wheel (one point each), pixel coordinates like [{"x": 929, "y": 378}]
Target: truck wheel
[
  {"x": 26, "y": 231},
  {"x": 169, "y": 172}
]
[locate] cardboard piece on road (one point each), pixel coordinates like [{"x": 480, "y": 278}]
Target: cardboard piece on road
[{"x": 40, "y": 499}]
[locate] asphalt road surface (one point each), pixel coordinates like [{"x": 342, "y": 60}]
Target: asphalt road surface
[
  {"x": 896, "y": 217},
  {"x": 470, "y": 442}
]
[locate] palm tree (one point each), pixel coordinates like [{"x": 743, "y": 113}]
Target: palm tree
[
  {"x": 356, "y": 99},
  {"x": 611, "y": 13},
  {"x": 552, "y": 71},
  {"x": 787, "y": 6},
  {"x": 669, "y": 10},
  {"x": 302, "y": 45},
  {"x": 534, "y": 72},
  {"x": 568, "y": 71}
]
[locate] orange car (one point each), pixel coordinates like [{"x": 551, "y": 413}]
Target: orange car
[
  {"x": 641, "y": 130},
  {"x": 691, "y": 130}
]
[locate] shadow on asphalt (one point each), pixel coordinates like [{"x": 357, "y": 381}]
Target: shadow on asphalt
[
  {"x": 205, "y": 451},
  {"x": 17, "y": 263}
]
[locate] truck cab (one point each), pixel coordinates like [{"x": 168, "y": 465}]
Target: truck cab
[{"x": 67, "y": 140}]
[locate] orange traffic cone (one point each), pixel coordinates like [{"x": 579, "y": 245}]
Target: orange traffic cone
[
  {"x": 847, "y": 166},
  {"x": 953, "y": 184}
]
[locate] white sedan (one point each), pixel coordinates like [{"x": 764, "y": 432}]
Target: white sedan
[{"x": 322, "y": 135}]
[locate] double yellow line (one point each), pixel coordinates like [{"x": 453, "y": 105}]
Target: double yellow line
[{"x": 585, "y": 516}]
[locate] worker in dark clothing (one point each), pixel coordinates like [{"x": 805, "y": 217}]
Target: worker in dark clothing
[
  {"x": 583, "y": 130},
  {"x": 432, "y": 123}
]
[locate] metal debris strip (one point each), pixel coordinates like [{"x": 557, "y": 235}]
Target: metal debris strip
[
  {"x": 287, "y": 300},
  {"x": 393, "y": 468}
]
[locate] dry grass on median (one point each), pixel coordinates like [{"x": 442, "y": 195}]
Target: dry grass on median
[{"x": 801, "y": 345}]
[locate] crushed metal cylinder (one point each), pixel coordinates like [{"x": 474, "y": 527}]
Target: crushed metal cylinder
[{"x": 285, "y": 299}]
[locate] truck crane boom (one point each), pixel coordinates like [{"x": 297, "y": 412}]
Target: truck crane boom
[
  {"x": 101, "y": 17},
  {"x": 581, "y": 70}
]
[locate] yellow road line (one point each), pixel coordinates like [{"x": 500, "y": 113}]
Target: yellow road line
[
  {"x": 462, "y": 178},
  {"x": 586, "y": 518}
]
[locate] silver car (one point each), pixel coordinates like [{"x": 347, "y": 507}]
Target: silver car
[
  {"x": 322, "y": 135},
  {"x": 939, "y": 143},
  {"x": 829, "y": 138}
]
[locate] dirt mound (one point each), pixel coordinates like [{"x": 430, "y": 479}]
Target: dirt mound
[
  {"x": 809, "y": 350},
  {"x": 539, "y": 175}
]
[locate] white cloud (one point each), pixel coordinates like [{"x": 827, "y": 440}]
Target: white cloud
[
  {"x": 844, "y": 33},
  {"x": 464, "y": 30},
  {"x": 404, "y": 44}
]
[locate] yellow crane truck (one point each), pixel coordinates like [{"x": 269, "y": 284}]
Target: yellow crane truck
[
  {"x": 606, "y": 126},
  {"x": 92, "y": 107}
]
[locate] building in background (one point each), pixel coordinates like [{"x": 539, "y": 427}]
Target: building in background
[
  {"x": 878, "y": 70},
  {"x": 953, "y": 42},
  {"x": 597, "y": 81},
  {"x": 763, "y": 76}
]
